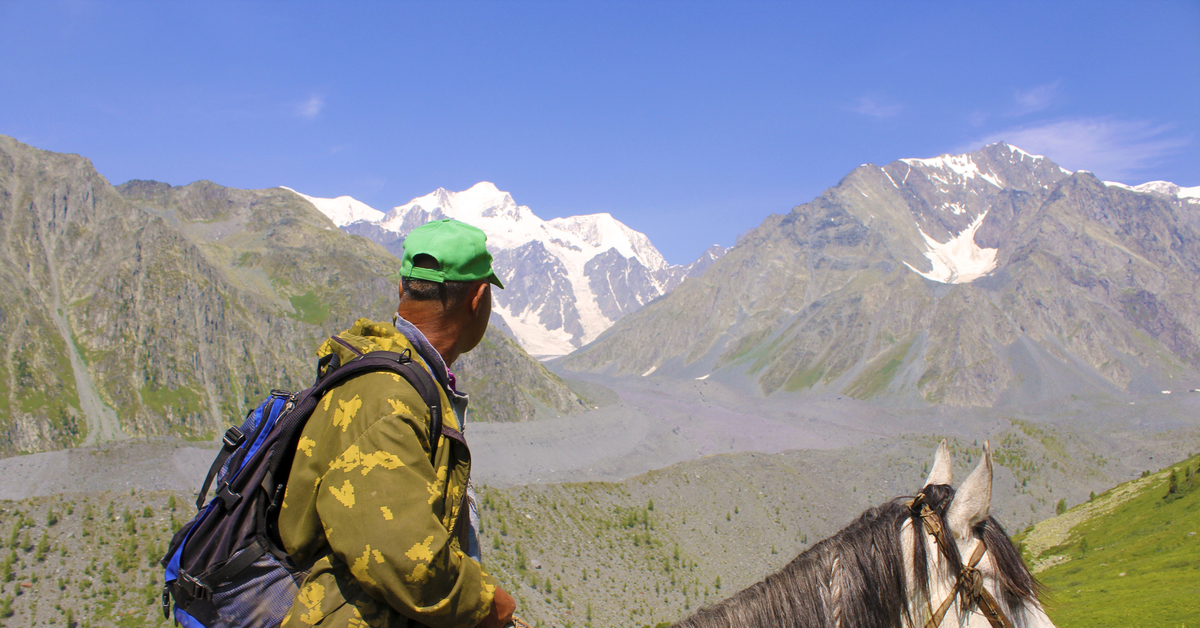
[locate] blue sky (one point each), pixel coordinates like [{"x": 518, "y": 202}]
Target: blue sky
[{"x": 689, "y": 121}]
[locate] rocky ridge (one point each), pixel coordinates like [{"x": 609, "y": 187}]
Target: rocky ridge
[{"x": 147, "y": 309}]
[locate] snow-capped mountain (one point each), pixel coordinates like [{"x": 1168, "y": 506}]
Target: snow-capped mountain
[
  {"x": 988, "y": 278},
  {"x": 953, "y": 195},
  {"x": 566, "y": 279},
  {"x": 342, "y": 210},
  {"x": 1191, "y": 195}
]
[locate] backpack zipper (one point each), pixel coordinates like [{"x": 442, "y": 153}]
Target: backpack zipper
[{"x": 289, "y": 396}]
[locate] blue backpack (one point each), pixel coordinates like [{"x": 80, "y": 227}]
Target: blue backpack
[{"x": 227, "y": 567}]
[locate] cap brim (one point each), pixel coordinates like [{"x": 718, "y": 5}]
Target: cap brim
[{"x": 495, "y": 281}]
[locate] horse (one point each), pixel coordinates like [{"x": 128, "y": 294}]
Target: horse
[{"x": 900, "y": 565}]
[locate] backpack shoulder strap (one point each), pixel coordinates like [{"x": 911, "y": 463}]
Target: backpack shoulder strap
[
  {"x": 305, "y": 402},
  {"x": 422, "y": 381},
  {"x": 233, "y": 438},
  {"x": 399, "y": 363}
]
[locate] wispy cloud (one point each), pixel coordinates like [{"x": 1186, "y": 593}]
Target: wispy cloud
[
  {"x": 977, "y": 117},
  {"x": 1035, "y": 98},
  {"x": 310, "y": 108},
  {"x": 868, "y": 107},
  {"x": 1115, "y": 150}
]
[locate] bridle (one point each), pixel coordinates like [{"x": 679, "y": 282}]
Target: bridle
[{"x": 969, "y": 585}]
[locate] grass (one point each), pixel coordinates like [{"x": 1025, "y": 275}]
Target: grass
[
  {"x": 182, "y": 400},
  {"x": 806, "y": 378},
  {"x": 1135, "y": 565},
  {"x": 309, "y": 309},
  {"x": 86, "y": 560},
  {"x": 744, "y": 346},
  {"x": 876, "y": 378},
  {"x": 640, "y": 552}
]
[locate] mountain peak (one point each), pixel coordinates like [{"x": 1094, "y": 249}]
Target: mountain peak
[
  {"x": 1059, "y": 288},
  {"x": 479, "y": 205},
  {"x": 484, "y": 187},
  {"x": 342, "y": 210},
  {"x": 1005, "y": 146},
  {"x": 963, "y": 166}
]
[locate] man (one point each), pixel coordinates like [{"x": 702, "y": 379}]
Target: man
[{"x": 385, "y": 533}]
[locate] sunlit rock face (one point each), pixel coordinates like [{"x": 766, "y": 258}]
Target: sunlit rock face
[{"x": 150, "y": 310}]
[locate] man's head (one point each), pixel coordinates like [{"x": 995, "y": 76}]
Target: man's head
[{"x": 445, "y": 281}]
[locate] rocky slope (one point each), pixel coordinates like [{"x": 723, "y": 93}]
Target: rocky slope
[
  {"x": 978, "y": 279},
  {"x": 507, "y": 384},
  {"x": 147, "y": 309},
  {"x": 566, "y": 280}
]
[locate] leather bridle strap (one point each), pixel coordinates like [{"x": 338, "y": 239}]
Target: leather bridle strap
[{"x": 970, "y": 581}]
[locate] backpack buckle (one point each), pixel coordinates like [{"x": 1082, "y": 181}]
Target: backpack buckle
[
  {"x": 166, "y": 601},
  {"x": 229, "y": 497},
  {"x": 193, "y": 587},
  {"x": 233, "y": 437}
]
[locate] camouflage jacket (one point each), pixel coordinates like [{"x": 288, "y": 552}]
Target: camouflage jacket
[{"x": 366, "y": 513}]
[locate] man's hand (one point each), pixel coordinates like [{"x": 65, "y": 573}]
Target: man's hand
[{"x": 503, "y": 606}]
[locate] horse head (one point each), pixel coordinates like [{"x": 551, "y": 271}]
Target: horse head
[
  {"x": 937, "y": 559},
  {"x": 973, "y": 577}
]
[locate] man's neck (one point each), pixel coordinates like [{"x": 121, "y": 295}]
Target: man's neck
[{"x": 438, "y": 330}]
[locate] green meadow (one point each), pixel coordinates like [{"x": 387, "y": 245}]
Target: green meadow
[{"x": 1129, "y": 557}]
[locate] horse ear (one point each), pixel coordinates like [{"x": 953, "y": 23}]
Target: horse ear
[
  {"x": 940, "y": 473},
  {"x": 973, "y": 498}
]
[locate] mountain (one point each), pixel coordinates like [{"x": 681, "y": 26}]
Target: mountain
[
  {"x": 147, "y": 309},
  {"x": 981, "y": 279},
  {"x": 566, "y": 280}
]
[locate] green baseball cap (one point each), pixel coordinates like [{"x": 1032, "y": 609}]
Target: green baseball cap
[{"x": 458, "y": 249}]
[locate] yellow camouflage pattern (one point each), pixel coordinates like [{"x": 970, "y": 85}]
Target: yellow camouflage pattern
[{"x": 367, "y": 514}]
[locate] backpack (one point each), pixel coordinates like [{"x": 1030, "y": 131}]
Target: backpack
[{"x": 227, "y": 566}]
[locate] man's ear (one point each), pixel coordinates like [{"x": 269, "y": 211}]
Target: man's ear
[{"x": 479, "y": 294}]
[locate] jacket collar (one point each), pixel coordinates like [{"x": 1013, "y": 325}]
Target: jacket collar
[
  {"x": 425, "y": 349},
  {"x": 366, "y": 335}
]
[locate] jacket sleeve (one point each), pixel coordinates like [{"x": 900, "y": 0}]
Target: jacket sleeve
[{"x": 382, "y": 506}]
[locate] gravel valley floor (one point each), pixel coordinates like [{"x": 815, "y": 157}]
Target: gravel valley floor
[{"x": 717, "y": 484}]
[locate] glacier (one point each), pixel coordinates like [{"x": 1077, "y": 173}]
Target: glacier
[{"x": 958, "y": 260}]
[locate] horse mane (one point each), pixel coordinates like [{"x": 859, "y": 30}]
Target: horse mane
[
  {"x": 856, "y": 577},
  {"x": 1016, "y": 581}
]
